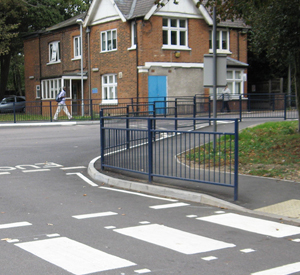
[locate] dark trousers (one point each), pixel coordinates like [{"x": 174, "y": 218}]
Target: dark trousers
[{"x": 225, "y": 105}]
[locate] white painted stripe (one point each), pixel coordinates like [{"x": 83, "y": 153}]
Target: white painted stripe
[
  {"x": 137, "y": 194},
  {"x": 4, "y": 173},
  {"x": 15, "y": 224},
  {"x": 53, "y": 235},
  {"x": 282, "y": 270},
  {"x": 255, "y": 225},
  {"x": 142, "y": 271},
  {"x": 84, "y": 178},
  {"x": 209, "y": 258},
  {"x": 174, "y": 239},
  {"x": 73, "y": 256},
  {"x": 36, "y": 170},
  {"x": 171, "y": 205},
  {"x": 109, "y": 227},
  {"x": 94, "y": 215},
  {"x": 247, "y": 250},
  {"x": 70, "y": 168}
]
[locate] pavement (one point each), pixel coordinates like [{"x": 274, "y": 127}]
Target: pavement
[{"x": 279, "y": 199}]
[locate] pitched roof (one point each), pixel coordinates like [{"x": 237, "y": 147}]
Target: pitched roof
[
  {"x": 67, "y": 23},
  {"x": 134, "y": 8}
]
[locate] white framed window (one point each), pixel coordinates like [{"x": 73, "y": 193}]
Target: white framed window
[
  {"x": 109, "y": 88},
  {"x": 133, "y": 34},
  {"x": 50, "y": 88},
  {"x": 38, "y": 91},
  {"x": 54, "y": 52},
  {"x": 175, "y": 33},
  {"x": 77, "y": 47},
  {"x": 109, "y": 41},
  {"x": 222, "y": 41},
  {"x": 235, "y": 81}
]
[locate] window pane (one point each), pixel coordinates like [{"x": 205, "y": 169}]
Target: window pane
[
  {"x": 182, "y": 38},
  {"x": 116, "y": 95},
  {"x": 173, "y": 38},
  {"x": 165, "y": 37},
  {"x": 237, "y": 87},
  {"x": 229, "y": 75},
  {"x": 218, "y": 40},
  {"x": 173, "y": 22},
  {"x": 103, "y": 42},
  {"x": 105, "y": 93},
  {"x": 111, "y": 93},
  {"x": 105, "y": 79},
  {"x": 182, "y": 23},
  {"x": 224, "y": 40},
  {"x": 114, "y": 40},
  {"x": 111, "y": 79},
  {"x": 238, "y": 75},
  {"x": 165, "y": 22}
]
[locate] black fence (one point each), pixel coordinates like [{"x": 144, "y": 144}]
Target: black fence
[{"x": 241, "y": 106}]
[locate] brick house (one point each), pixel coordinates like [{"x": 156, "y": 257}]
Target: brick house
[{"x": 131, "y": 49}]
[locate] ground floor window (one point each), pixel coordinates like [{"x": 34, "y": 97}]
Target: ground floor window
[
  {"x": 109, "y": 88},
  {"x": 50, "y": 88}
]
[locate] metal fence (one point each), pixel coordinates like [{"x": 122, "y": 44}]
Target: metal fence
[
  {"x": 242, "y": 107},
  {"x": 153, "y": 147}
]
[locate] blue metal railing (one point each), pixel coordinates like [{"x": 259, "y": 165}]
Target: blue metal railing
[{"x": 153, "y": 147}]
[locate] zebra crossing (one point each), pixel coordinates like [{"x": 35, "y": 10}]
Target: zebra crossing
[{"x": 76, "y": 257}]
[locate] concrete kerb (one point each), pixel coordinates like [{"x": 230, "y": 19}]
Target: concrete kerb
[
  {"x": 160, "y": 190},
  {"x": 176, "y": 194}
]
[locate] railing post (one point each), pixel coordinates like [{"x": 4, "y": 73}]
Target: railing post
[
  {"x": 14, "y": 107},
  {"x": 50, "y": 110},
  {"x": 91, "y": 108},
  {"x": 150, "y": 150},
  {"x": 236, "y": 159},
  {"x": 285, "y": 102},
  {"x": 241, "y": 107},
  {"x": 194, "y": 111},
  {"x": 127, "y": 128},
  {"x": 102, "y": 139},
  {"x": 176, "y": 113}
]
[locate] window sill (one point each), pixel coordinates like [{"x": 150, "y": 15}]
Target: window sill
[
  {"x": 76, "y": 58},
  {"x": 109, "y": 102},
  {"x": 176, "y": 48},
  {"x": 53, "y": 63},
  {"x": 221, "y": 51},
  {"x": 132, "y": 48},
  {"x": 109, "y": 51}
]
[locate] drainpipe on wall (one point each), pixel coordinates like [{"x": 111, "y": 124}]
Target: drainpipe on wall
[
  {"x": 80, "y": 22},
  {"x": 88, "y": 31}
]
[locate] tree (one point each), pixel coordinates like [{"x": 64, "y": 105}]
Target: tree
[{"x": 19, "y": 17}]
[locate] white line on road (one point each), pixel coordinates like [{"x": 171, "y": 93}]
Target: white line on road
[
  {"x": 84, "y": 178},
  {"x": 15, "y": 224},
  {"x": 37, "y": 170},
  {"x": 70, "y": 168},
  {"x": 170, "y": 205},
  {"x": 282, "y": 270},
  {"x": 174, "y": 239},
  {"x": 137, "y": 194},
  {"x": 4, "y": 173},
  {"x": 255, "y": 225},
  {"x": 73, "y": 256},
  {"x": 95, "y": 215}
]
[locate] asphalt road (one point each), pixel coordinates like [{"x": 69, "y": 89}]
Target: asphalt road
[{"x": 55, "y": 220}]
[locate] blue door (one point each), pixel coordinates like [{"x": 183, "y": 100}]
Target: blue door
[{"x": 157, "y": 91}]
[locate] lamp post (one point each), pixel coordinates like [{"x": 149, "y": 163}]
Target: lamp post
[{"x": 80, "y": 22}]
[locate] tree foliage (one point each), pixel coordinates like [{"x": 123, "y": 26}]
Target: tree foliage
[{"x": 18, "y": 17}]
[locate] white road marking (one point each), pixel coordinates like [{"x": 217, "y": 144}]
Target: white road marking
[
  {"x": 94, "y": 215},
  {"x": 84, "y": 178},
  {"x": 174, "y": 239},
  {"x": 70, "y": 168},
  {"x": 255, "y": 225},
  {"x": 109, "y": 227},
  {"x": 73, "y": 256},
  {"x": 209, "y": 258},
  {"x": 137, "y": 194},
  {"x": 37, "y": 170},
  {"x": 15, "y": 224},
  {"x": 142, "y": 271},
  {"x": 247, "y": 250},
  {"x": 163, "y": 206},
  {"x": 53, "y": 235},
  {"x": 281, "y": 270},
  {"x": 191, "y": 216},
  {"x": 4, "y": 173}
]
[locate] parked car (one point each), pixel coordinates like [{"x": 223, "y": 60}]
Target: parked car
[{"x": 7, "y": 104}]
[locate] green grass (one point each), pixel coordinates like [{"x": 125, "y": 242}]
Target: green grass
[{"x": 271, "y": 149}]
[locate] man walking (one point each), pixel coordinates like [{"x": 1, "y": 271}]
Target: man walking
[
  {"x": 226, "y": 94},
  {"x": 62, "y": 105}
]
